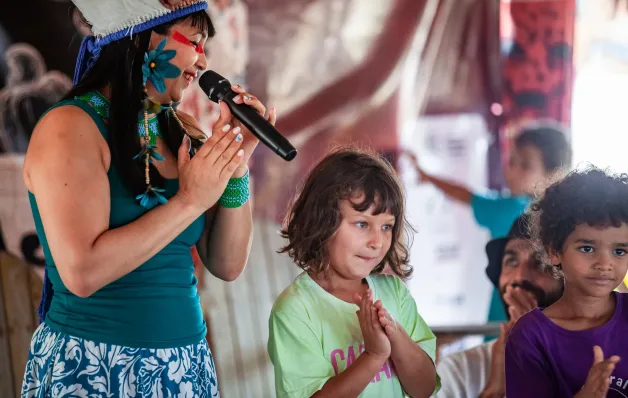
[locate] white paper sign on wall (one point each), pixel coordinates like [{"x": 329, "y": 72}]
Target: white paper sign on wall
[{"x": 449, "y": 284}]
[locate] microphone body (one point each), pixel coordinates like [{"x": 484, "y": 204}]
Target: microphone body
[{"x": 217, "y": 88}]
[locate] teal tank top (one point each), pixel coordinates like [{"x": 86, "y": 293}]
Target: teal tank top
[{"x": 154, "y": 306}]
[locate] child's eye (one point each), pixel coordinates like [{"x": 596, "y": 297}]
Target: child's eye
[
  {"x": 387, "y": 227},
  {"x": 361, "y": 224},
  {"x": 619, "y": 252},
  {"x": 586, "y": 249}
]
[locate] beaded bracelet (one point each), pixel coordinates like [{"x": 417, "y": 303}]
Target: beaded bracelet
[{"x": 237, "y": 192}]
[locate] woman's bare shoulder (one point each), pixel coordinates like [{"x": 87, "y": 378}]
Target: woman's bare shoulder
[
  {"x": 67, "y": 122},
  {"x": 65, "y": 131}
]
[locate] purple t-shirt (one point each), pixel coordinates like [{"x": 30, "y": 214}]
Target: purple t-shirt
[{"x": 545, "y": 360}]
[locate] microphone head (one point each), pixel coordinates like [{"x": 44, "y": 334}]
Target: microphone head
[{"x": 214, "y": 85}]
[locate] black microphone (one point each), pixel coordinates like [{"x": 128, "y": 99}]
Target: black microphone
[{"x": 218, "y": 88}]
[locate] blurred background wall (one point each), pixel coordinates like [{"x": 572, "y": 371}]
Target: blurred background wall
[{"x": 449, "y": 80}]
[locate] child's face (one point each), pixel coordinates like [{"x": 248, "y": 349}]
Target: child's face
[
  {"x": 594, "y": 260},
  {"x": 361, "y": 241},
  {"x": 525, "y": 171}
]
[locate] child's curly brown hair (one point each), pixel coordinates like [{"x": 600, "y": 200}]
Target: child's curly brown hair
[
  {"x": 591, "y": 196},
  {"x": 315, "y": 216}
]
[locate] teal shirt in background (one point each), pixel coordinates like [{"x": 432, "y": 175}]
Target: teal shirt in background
[
  {"x": 154, "y": 306},
  {"x": 497, "y": 213}
]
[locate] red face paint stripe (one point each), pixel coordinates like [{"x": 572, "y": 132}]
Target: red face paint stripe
[{"x": 184, "y": 40}]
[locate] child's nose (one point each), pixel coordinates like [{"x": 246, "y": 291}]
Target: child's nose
[{"x": 375, "y": 239}]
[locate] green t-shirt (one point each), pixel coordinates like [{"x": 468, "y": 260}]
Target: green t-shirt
[{"x": 315, "y": 336}]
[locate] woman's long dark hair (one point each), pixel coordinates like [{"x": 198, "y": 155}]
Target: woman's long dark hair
[{"x": 119, "y": 66}]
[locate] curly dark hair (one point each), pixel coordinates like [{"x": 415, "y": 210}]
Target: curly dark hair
[
  {"x": 591, "y": 196},
  {"x": 315, "y": 216}
]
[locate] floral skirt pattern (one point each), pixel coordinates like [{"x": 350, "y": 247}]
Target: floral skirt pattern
[{"x": 60, "y": 365}]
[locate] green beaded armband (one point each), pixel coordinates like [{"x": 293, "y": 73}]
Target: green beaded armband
[{"x": 237, "y": 192}]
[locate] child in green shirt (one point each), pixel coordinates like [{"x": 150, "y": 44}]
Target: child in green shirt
[{"x": 344, "y": 328}]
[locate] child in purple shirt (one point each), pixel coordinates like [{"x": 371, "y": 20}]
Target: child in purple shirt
[{"x": 573, "y": 348}]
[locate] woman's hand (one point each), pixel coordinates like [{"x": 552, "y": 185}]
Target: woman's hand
[
  {"x": 203, "y": 179},
  {"x": 250, "y": 141}
]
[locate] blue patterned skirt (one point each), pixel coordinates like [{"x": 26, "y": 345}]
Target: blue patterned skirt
[{"x": 60, "y": 365}]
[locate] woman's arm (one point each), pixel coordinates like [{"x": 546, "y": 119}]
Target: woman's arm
[
  {"x": 230, "y": 229},
  {"x": 66, "y": 169},
  {"x": 230, "y": 237}
]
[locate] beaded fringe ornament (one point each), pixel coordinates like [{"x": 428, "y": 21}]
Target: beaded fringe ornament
[{"x": 156, "y": 68}]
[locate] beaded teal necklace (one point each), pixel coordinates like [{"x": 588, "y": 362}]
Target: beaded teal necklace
[
  {"x": 101, "y": 105},
  {"x": 153, "y": 195}
]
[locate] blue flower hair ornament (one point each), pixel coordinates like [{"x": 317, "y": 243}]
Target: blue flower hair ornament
[{"x": 157, "y": 67}]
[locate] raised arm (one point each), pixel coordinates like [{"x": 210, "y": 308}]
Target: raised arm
[
  {"x": 450, "y": 189},
  {"x": 231, "y": 229}
]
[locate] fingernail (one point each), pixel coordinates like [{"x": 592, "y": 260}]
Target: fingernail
[
  {"x": 235, "y": 86},
  {"x": 237, "y": 99},
  {"x": 246, "y": 97},
  {"x": 188, "y": 142},
  {"x": 226, "y": 128},
  {"x": 240, "y": 153},
  {"x": 209, "y": 135},
  {"x": 239, "y": 138},
  {"x": 236, "y": 130}
]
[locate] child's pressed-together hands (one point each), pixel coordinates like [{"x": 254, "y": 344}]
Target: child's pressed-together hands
[
  {"x": 393, "y": 330},
  {"x": 376, "y": 342},
  {"x": 386, "y": 340},
  {"x": 379, "y": 329}
]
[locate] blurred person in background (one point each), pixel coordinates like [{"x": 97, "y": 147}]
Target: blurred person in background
[{"x": 540, "y": 150}]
